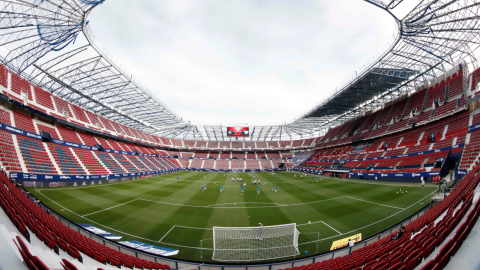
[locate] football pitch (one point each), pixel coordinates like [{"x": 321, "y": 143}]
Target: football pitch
[{"x": 171, "y": 213}]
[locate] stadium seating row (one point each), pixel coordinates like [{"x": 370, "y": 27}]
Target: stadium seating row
[
  {"x": 29, "y": 219},
  {"x": 406, "y": 250}
]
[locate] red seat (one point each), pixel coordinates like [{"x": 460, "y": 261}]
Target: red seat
[
  {"x": 39, "y": 264},
  {"x": 99, "y": 258},
  {"x": 380, "y": 266},
  {"x": 412, "y": 261},
  {"x": 74, "y": 253},
  {"x": 397, "y": 266},
  {"x": 397, "y": 257},
  {"x": 69, "y": 265},
  {"x": 63, "y": 245},
  {"x": 427, "y": 249},
  {"x": 369, "y": 265}
]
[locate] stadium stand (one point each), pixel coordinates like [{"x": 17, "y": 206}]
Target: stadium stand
[
  {"x": 32, "y": 221},
  {"x": 35, "y": 157}
]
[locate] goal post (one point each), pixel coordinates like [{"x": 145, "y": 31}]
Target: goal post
[{"x": 236, "y": 244}]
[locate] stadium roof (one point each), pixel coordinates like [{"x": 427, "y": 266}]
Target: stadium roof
[
  {"x": 49, "y": 42},
  {"x": 370, "y": 85}
]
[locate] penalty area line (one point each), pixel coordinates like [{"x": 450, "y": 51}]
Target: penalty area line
[
  {"x": 167, "y": 233},
  {"x": 331, "y": 228},
  {"x": 109, "y": 208},
  {"x": 375, "y": 203}
]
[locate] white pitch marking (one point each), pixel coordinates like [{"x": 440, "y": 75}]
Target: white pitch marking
[
  {"x": 220, "y": 207},
  {"x": 366, "y": 226},
  {"x": 331, "y": 228},
  {"x": 166, "y": 233},
  {"x": 375, "y": 203},
  {"x": 109, "y": 208},
  {"x": 211, "y": 248},
  {"x": 195, "y": 228},
  {"x": 139, "y": 237}
]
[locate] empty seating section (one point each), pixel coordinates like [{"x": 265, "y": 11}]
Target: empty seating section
[
  {"x": 186, "y": 154},
  {"x": 265, "y": 164},
  {"x": 475, "y": 81},
  {"x": 20, "y": 86},
  {"x": 137, "y": 162},
  {"x": 35, "y": 157},
  {"x": 88, "y": 139},
  {"x": 261, "y": 145},
  {"x": 273, "y": 145},
  {"x": 437, "y": 93},
  {"x": 177, "y": 143},
  {"x": 65, "y": 159},
  {"x": 116, "y": 146},
  {"x": 94, "y": 119},
  {"x": 53, "y": 132},
  {"x": 455, "y": 84},
  {"x": 251, "y": 156},
  {"x": 225, "y": 145},
  {"x": 127, "y": 165},
  {"x": 200, "y": 154},
  {"x": 69, "y": 135},
  {"x": 8, "y": 154},
  {"x": 79, "y": 113},
  {"x": 104, "y": 143},
  {"x": 90, "y": 161},
  {"x": 23, "y": 212},
  {"x": 237, "y": 145},
  {"x": 398, "y": 125},
  {"x": 398, "y": 111},
  {"x": 222, "y": 165},
  {"x": 196, "y": 163},
  {"x": 371, "y": 121},
  {"x": 238, "y": 155},
  {"x": 212, "y": 145},
  {"x": 209, "y": 164},
  {"x": 156, "y": 162},
  {"x": 448, "y": 107},
  {"x": 225, "y": 155},
  {"x": 238, "y": 164},
  {"x": 471, "y": 151},
  {"x": 125, "y": 147},
  {"x": 273, "y": 155},
  {"x": 150, "y": 165},
  {"x": 62, "y": 106},
  {"x": 416, "y": 101},
  {"x": 199, "y": 144},
  {"x": 253, "y": 165},
  {"x": 297, "y": 143},
  {"x": 5, "y": 116},
  {"x": 43, "y": 98},
  {"x": 3, "y": 76},
  {"x": 109, "y": 162},
  {"x": 24, "y": 122}
]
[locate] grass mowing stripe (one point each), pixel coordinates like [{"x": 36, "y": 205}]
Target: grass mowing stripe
[
  {"x": 101, "y": 225},
  {"x": 181, "y": 215},
  {"x": 374, "y": 222}
]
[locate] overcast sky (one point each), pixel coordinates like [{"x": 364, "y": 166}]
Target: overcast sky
[{"x": 235, "y": 62}]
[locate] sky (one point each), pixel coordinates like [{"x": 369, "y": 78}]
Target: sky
[{"x": 241, "y": 62}]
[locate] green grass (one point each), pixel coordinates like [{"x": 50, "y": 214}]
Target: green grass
[{"x": 145, "y": 210}]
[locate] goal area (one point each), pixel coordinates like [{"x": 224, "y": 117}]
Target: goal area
[{"x": 237, "y": 244}]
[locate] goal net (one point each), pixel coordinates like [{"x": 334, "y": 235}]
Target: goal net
[{"x": 234, "y": 244}]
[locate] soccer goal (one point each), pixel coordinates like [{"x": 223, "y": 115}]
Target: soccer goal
[{"x": 235, "y": 244}]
